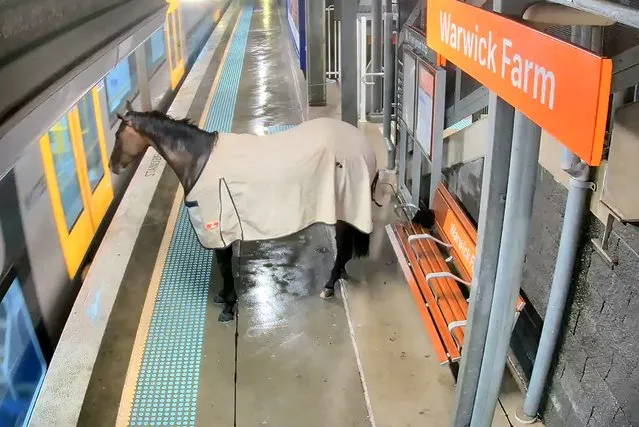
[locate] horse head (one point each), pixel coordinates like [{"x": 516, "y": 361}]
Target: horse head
[{"x": 130, "y": 144}]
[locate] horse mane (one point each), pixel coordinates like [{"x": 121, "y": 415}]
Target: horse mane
[
  {"x": 168, "y": 120},
  {"x": 178, "y": 135}
]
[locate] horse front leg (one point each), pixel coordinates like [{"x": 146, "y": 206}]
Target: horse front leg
[
  {"x": 344, "y": 239},
  {"x": 227, "y": 296}
]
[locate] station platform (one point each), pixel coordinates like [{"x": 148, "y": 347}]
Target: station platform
[{"x": 143, "y": 346}]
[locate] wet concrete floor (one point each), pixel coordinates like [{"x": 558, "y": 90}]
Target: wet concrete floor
[{"x": 295, "y": 362}]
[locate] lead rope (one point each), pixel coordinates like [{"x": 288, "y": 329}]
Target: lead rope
[
  {"x": 237, "y": 303},
  {"x": 237, "y": 334}
]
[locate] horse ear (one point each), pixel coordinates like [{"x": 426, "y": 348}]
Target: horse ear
[
  {"x": 129, "y": 107},
  {"x": 124, "y": 119}
]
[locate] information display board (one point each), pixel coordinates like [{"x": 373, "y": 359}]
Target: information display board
[
  {"x": 408, "y": 91},
  {"x": 425, "y": 95}
]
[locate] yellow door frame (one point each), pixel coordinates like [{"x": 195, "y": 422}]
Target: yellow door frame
[
  {"x": 174, "y": 42},
  {"x": 76, "y": 241}
]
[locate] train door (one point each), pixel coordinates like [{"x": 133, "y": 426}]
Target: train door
[
  {"x": 175, "y": 42},
  {"x": 75, "y": 161}
]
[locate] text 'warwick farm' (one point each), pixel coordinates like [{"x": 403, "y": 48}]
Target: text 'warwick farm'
[{"x": 498, "y": 57}]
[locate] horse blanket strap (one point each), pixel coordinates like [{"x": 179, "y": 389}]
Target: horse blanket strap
[{"x": 266, "y": 187}]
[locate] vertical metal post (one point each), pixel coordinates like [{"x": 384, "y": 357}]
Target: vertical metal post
[
  {"x": 348, "y": 47},
  {"x": 329, "y": 42},
  {"x": 338, "y": 48},
  {"x": 143, "y": 78},
  {"x": 376, "y": 52},
  {"x": 491, "y": 217},
  {"x": 517, "y": 213},
  {"x": 316, "y": 51},
  {"x": 362, "y": 68},
  {"x": 389, "y": 81},
  {"x": 568, "y": 245}
]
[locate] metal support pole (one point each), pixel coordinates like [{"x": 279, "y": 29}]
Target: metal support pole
[
  {"x": 568, "y": 245},
  {"x": 491, "y": 217},
  {"x": 517, "y": 213},
  {"x": 316, "y": 51},
  {"x": 143, "y": 78},
  {"x": 376, "y": 52},
  {"x": 389, "y": 81},
  {"x": 348, "y": 46}
]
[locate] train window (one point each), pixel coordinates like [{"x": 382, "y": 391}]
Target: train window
[
  {"x": 23, "y": 366},
  {"x": 118, "y": 84},
  {"x": 66, "y": 171},
  {"x": 154, "y": 49},
  {"x": 121, "y": 84},
  {"x": 90, "y": 139}
]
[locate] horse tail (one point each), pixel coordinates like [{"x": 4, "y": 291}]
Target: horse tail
[
  {"x": 374, "y": 188},
  {"x": 361, "y": 243}
]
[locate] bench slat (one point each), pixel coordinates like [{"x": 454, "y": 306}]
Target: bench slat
[
  {"x": 438, "y": 346},
  {"x": 451, "y": 299},
  {"x": 433, "y": 307}
]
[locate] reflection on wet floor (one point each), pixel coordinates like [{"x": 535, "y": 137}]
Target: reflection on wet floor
[
  {"x": 295, "y": 362},
  {"x": 275, "y": 274}
]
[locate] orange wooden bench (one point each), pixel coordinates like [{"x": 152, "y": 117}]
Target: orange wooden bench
[{"x": 438, "y": 264}]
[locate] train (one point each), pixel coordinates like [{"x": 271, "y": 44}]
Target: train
[{"x": 57, "y": 194}]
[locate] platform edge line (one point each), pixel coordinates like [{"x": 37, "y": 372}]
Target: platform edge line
[
  {"x": 218, "y": 75},
  {"x": 135, "y": 361}
]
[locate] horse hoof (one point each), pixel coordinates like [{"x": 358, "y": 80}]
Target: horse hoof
[
  {"x": 225, "y": 317},
  {"x": 218, "y": 300},
  {"x": 327, "y": 293}
]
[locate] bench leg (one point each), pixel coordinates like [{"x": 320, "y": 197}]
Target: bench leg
[{"x": 344, "y": 236}]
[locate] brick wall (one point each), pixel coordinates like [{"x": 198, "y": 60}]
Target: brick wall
[{"x": 595, "y": 376}]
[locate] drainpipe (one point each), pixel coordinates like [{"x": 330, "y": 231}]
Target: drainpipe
[
  {"x": 389, "y": 79},
  {"x": 568, "y": 244}
]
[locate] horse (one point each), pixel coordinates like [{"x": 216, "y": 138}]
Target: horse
[{"x": 244, "y": 187}]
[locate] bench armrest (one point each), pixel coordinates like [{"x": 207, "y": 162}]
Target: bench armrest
[
  {"x": 427, "y": 236},
  {"x": 454, "y": 325},
  {"x": 441, "y": 275},
  {"x": 404, "y": 206}
]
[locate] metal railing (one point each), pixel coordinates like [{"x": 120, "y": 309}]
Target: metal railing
[{"x": 333, "y": 42}]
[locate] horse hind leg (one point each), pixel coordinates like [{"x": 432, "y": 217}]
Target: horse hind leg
[
  {"x": 227, "y": 296},
  {"x": 350, "y": 241}
]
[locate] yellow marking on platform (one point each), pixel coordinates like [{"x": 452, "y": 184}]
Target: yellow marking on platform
[
  {"x": 135, "y": 362},
  {"x": 218, "y": 75}
]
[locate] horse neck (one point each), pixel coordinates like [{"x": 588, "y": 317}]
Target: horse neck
[{"x": 185, "y": 150}]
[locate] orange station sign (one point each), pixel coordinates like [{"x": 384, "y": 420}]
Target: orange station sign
[{"x": 561, "y": 87}]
